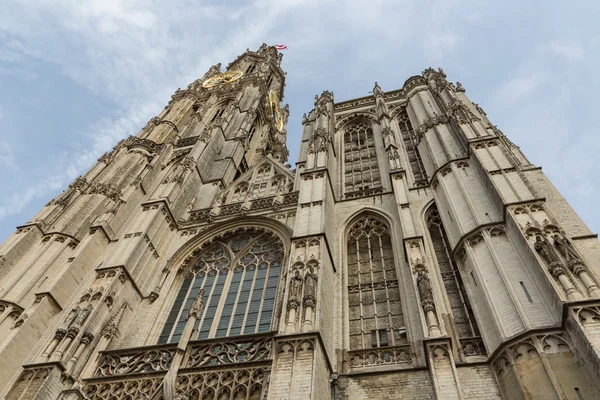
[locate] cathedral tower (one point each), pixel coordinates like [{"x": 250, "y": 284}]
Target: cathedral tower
[{"x": 414, "y": 252}]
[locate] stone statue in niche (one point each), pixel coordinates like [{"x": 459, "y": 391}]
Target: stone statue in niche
[
  {"x": 311, "y": 283},
  {"x": 544, "y": 249},
  {"x": 424, "y": 286},
  {"x": 82, "y": 315},
  {"x": 70, "y": 318},
  {"x": 296, "y": 286},
  {"x": 565, "y": 248}
]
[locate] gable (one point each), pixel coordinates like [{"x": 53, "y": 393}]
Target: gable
[{"x": 267, "y": 178}]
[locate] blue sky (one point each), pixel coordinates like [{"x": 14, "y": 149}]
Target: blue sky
[{"x": 77, "y": 76}]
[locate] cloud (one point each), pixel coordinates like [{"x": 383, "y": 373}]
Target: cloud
[
  {"x": 130, "y": 55},
  {"x": 572, "y": 51},
  {"x": 7, "y": 159}
]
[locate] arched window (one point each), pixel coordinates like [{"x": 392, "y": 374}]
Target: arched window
[
  {"x": 261, "y": 179},
  {"x": 416, "y": 164},
  {"x": 461, "y": 309},
  {"x": 250, "y": 69},
  {"x": 277, "y": 182},
  {"x": 361, "y": 171},
  {"x": 239, "y": 273},
  {"x": 375, "y": 310},
  {"x": 239, "y": 193}
]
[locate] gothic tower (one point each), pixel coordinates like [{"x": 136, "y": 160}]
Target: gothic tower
[{"x": 413, "y": 253}]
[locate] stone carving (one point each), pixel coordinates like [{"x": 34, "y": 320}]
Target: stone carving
[
  {"x": 229, "y": 352},
  {"x": 378, "y": 357},
  {"x": 137, "y": 361},
  {"x": 311, "y": 283},
  {"x": 424, "y": 286},
  {"x": 82, "y": 315},
  {"x": 473, "y": 347},
  {"x": 296, "y": 287},
  {"x": 544, "y": 249},
  {"x": 565, "y": 248},
  {"x": 69, "y": 319},
  {"x": 197, "y": 306}
]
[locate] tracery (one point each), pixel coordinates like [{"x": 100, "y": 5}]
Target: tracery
[
  {"x": 361, "y": 171},
  {"x": 239, "y": 274},
  {"x": 376, "y": 316},
  {"x": 414, "y": 158},
  {"x": 459, "y": 302}
]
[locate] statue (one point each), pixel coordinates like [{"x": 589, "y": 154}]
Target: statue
[
  {"x": 459, "y": 87},
  {"x": 377, "y": 90},
  {"x": 311, "y": 283},
  {"x": 304, "y": 119},
  {"x": 70, "y": 318},
  {"x": 82, "y": 315},
  {"x": 565, "y": 248},
  {"x": 543, "y": 248},
  {"x": 424, "y": 286},
  {"x": 296, "y": 286}
]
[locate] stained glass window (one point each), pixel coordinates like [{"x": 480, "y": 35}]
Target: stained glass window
[{"x": 239, "y": 273}]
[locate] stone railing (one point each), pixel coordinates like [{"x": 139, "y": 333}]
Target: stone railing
[
  {"x": 473, "y": 346},
  {"x": 364, "y": 193},
  {"x": 290, "y": 198},
  {"x": 380, "y": 356},
  {"x": 226, "y": 351},
  {"x": 258, "y": 204},
  {"x": 186, "y": 141},
  {"x": 135, "y": 361}
]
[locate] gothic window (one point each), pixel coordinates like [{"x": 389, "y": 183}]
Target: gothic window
[
  {"x": 277, "y": 182},
  {"x": 239, "y": 193},
  {"x": 416, "y": 164},
  {"x": 269, "y": 81},
  {"x": 239, "y": 273},
  {"x": 261, "y": 178},
  {"x": 361, "y": 171},
  {"x": 250, "y": 69},
  {"x": 375, "y": 310},
  {"x": 461, "y": 308}
]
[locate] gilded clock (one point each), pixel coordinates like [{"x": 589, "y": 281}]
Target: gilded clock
[
  {"x": 276, "y": 110},
  {"x": 222, "y": 79}
]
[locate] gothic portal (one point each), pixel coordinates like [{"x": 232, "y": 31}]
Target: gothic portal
[{"x": 414, "y": 253}]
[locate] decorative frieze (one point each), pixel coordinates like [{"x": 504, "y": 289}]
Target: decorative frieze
[
  {"x": 135, "y": 361},
  {"x": 392, "y": 355},
  {"x": 229, "y": 352}
]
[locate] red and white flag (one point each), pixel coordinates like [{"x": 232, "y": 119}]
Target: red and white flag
[{"x": 281, "y": 47}]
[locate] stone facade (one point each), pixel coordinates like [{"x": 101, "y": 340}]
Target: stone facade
[{"x": 413, "y": 253}]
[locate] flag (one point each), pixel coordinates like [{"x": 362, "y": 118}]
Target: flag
[{"x": 281, "y": 47}]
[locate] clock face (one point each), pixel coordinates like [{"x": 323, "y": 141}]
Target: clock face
[
  {"x": 222, "y": 79},
  {"x": 276, "y": 110}
]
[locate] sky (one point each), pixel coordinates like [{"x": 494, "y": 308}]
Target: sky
[{"x": 77, "y": 76}]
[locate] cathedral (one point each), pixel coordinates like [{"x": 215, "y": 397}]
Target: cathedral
[{"x": 413, "y": 253}]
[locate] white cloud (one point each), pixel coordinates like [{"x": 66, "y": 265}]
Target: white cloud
[
  {"x": 7, "y": 159},
  {"x": 135, "y": 53},
  {"x": 572, "y": 51}
]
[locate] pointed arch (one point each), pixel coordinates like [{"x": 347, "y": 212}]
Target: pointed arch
[
  {"x": 464, "y": 319},
  {"x": 359, "y": 150},
  {"x": 376, "y": 317},
  {"x": 238, "y": 266}
]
